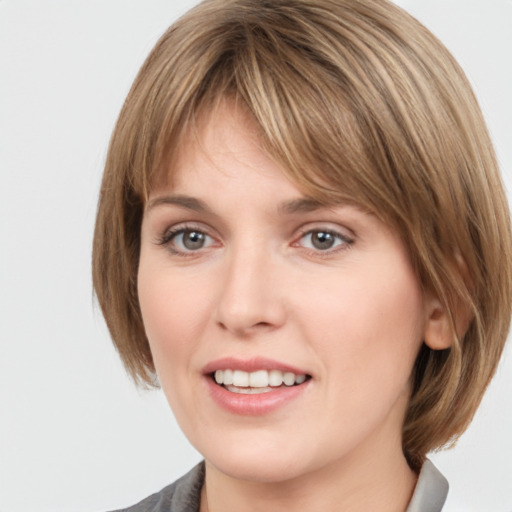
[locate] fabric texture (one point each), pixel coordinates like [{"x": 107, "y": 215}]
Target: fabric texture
[
  {"x": 181, "y": 496},
  {"x": 431, "y": 490},
  {"x": 184, "y": 494}
]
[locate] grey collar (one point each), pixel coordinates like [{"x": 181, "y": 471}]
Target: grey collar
[
  {"x": 184, "y": 494},
  {"x": 431, "y": 490}
]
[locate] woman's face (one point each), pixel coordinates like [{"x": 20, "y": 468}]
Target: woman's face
[{"x": 243, "y": 276}]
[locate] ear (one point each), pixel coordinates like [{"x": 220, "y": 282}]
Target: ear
[{"x": 438, "y": 332}]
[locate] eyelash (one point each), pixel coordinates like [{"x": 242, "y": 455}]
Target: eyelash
[
  {"x": 171, "y": 234},
  {"x": 167, "y": 238},
  {"x": 344, "y": 244}
]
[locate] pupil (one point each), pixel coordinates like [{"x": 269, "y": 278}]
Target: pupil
[
  {"x": 322, "y": 240},
  {"x": 193, "y": 240}
]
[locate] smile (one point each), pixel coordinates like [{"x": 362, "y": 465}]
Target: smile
[
  {"x": 259, "y": 381},
  {"x": 257, "y": 386}
]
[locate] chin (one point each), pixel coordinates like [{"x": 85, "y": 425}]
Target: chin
[
  {"x": 255, "y": 458},
  {"x": 257, "y": 468}
]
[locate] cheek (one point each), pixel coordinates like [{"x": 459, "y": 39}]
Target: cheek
[
  {"x": 172, "y": 322},
  {"x": 173, "y": 313},
  {"x": 368, "y": 330}
]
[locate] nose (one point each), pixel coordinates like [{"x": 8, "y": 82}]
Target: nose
[{"x": 251, "y": 298}]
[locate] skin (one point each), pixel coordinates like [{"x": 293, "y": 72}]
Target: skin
[{"x": 352, "y": 316}]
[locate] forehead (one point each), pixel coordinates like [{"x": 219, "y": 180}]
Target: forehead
[
  {"x": 223, "y": 139},
  {"x": 226, "y": 140},
  {"x": 222, "y": 143},
  {"x": 223, "y": 160}
]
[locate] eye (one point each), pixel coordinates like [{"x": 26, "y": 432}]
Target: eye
[
  {"x": 323, "y": 240},
  {"x": 185, "y": 240}
]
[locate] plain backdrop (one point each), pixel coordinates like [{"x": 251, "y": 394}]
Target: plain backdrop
[{"x": 75, "y": 434}]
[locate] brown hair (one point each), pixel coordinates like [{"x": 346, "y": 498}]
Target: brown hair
[{"x": 355, "y": 100}]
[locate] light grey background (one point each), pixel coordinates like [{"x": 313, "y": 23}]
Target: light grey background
[{"x": 75, "y": 435}]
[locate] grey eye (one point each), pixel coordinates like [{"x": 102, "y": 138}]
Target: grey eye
[
  {"x": 322, "y": 240},
  {"x": 191, "y": 240}
]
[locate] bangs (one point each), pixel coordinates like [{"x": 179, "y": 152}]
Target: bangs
[{"x": 317, "y": 102}]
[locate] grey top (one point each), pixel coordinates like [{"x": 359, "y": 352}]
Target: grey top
[{"x": 184, "y": 494}]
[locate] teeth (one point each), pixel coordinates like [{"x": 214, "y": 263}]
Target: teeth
[
  {"x": 248, "y": 391},
  {"x": 300, "y": 379},
  {"x": 275, "y": 378},
  {"x": 240, "y": 379},
  {"x": 257, "y": 379},
  {"x": 228, "y": 377},
  {"x": 289, "y": 378}
]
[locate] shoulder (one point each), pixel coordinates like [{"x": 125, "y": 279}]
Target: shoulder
[{"x": 181, "y": 496}]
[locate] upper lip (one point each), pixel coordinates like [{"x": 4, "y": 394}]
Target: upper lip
[{"x": 250, "y": 365}]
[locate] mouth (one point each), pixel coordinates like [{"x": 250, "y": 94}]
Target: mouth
[
  {"x": 258, "y": 381},
  {"x": 256, "y": 386}
]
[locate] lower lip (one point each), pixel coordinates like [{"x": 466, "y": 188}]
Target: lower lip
[{"x": 253, "y": 405}]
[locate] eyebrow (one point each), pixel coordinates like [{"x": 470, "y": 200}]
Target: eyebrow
[
  {"x": 187, "y": 202},
  {"x": 294, "y": 206},
  {"x": 300, "y": 205}
]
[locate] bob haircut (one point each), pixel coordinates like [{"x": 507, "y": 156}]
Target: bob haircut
[{"x": 358, "y": 102}]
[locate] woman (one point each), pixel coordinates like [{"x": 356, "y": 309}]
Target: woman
[{"x": 301, "y": 232}]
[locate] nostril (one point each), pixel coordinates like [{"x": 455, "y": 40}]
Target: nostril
[{"x": 245, "y": 330}]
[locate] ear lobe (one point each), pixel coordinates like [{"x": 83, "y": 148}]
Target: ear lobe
[
  {"x": 438, "y": 331},
  {"x": 439, "y": 334}
]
